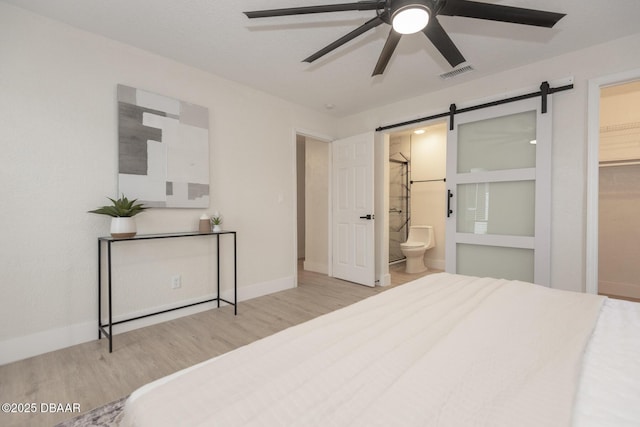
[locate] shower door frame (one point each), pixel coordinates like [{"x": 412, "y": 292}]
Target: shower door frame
[{"x": 406, "y": 205}]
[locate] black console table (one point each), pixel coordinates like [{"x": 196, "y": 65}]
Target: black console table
[{"x": 106, "y": 329}]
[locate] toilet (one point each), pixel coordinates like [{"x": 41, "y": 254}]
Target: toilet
[{"x": 420, "y": 239}]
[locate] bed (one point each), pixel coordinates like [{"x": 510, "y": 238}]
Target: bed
[{"x": 444, "y": 350}]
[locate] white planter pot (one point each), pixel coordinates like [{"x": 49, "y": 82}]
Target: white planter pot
[
  {"x": 216, "y": 228},
  {"x": 123, "y": 227}
]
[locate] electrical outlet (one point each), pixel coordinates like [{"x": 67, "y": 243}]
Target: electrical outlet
[{"x": 176, "y": 281}]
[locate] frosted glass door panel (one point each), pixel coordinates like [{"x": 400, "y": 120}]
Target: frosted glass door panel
[
  {"x": 498, "y": 143},
  {"x": 499, "y": 192},
  {"x": 506, "y": 208},
  {"x": 476, "y": 260}
]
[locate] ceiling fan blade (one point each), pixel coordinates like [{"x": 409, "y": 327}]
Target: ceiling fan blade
[
  {"x": 372, "y": 23},
  {"x": 443, "y": 43},
  {"x": 497, "y": 12},
  {"x": 361, "y": 5},
  {"x": 387, "y": 51}
]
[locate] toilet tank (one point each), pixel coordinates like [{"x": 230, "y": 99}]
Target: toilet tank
[{"x": 423, "y": 234}]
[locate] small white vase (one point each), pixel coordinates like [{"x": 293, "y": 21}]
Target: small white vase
[
  {"x": 123, "y": 227},
  {"x": 216, "y": 228}
]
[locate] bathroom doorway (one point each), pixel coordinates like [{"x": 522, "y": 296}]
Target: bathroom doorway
[
  {"x": 619, "y": 191},
  {"x": 417, "y": 190}
]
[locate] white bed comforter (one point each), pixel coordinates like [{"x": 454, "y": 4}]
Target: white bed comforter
[
  {"x": 445, "y": 350},
  {"x": 609, "y": 388}
]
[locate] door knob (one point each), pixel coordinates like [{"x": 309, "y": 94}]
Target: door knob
[{"x": 368, "y": 216}]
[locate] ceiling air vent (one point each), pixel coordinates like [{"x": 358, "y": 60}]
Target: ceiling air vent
[{"x": 456, "y": 72}]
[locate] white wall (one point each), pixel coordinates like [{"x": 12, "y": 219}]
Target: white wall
[
  {"x": 58, "y": 133},
  {"x": 569, "y": 133},
  {"x": 428, "y": 200}
]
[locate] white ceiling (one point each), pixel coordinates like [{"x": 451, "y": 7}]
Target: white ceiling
[{"x": 266, "y": 53}]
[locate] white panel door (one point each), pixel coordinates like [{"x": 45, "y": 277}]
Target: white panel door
[
  {"x": 499, "y": 191},
  {"x": 352, "y": 209}
]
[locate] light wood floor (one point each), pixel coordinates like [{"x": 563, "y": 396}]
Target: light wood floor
[{"x": 88, "y": 375}]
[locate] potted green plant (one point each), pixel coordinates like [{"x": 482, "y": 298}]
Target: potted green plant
[
  {"x": 216, "y": 220},
  {"x": 122, "y": 212}
]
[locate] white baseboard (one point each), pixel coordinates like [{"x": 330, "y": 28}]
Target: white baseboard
[
  {"x": 264, "y": 288},
  {"x": 316, "y": 267},
  {"x": 435, "y": 264},
  {"x": 621, "y": 289},
  {"x": 19, "y": 348},
  {"x": 384, "y": 280}
]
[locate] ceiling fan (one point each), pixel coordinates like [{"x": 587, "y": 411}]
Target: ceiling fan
[{"x": 411, "y": 16}]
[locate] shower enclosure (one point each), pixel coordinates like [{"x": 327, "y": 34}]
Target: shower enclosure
[{"x": 399, "y": 198}]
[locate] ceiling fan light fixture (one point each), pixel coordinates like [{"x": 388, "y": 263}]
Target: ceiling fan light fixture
[
  {"x": 412, "y": 16},
  {"x": 410, "y": 19}
]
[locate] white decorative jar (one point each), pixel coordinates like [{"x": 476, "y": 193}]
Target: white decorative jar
[{"x": 123, "y": 227}]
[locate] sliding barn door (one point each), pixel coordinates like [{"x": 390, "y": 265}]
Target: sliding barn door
[
  {"x": 499, "y": 192},
  {"x": 352, "y": 209}
]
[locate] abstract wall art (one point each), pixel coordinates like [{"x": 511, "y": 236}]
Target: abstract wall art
[{"x": 163, "y": 150}]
